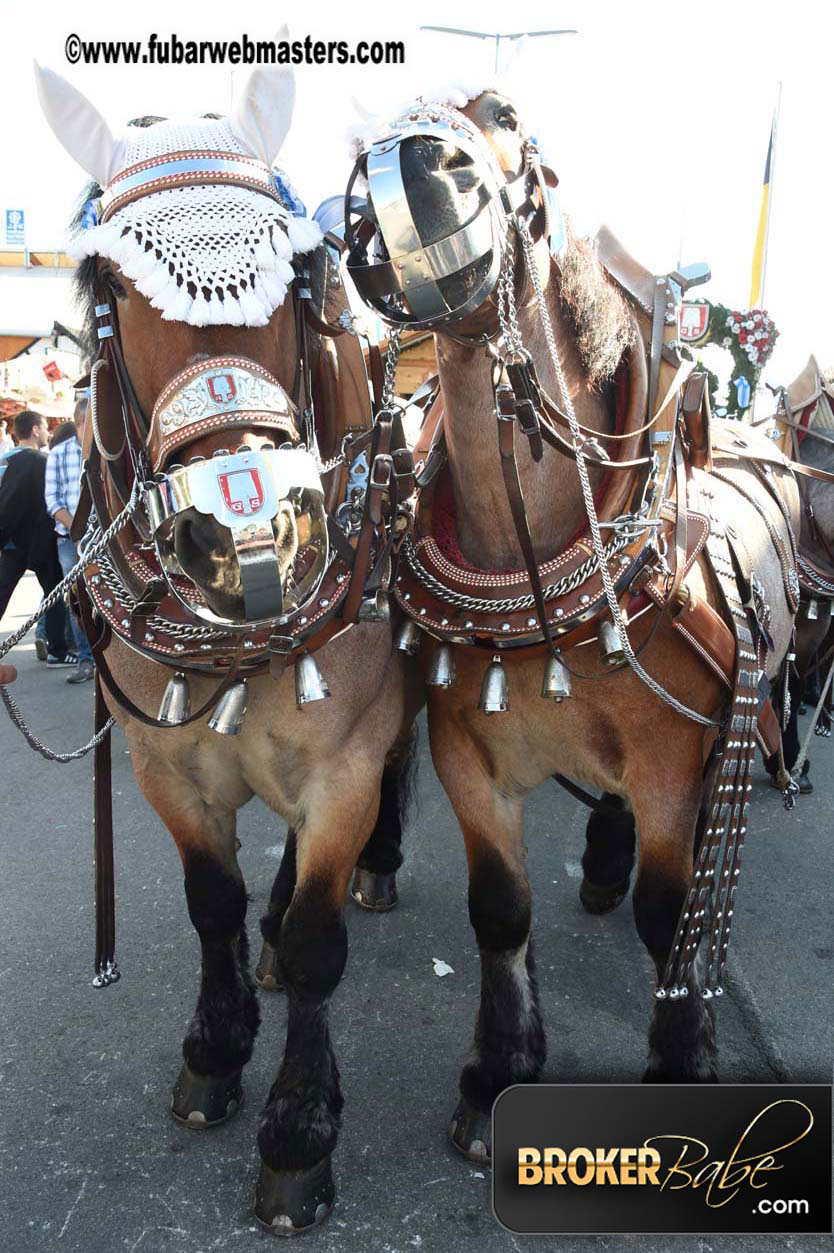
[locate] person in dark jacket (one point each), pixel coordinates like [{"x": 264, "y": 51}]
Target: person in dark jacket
[{"x": 27, "y": 535}]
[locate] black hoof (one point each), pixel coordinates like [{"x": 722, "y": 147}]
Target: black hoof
[
  {"x": 601, "y": 898},
  {"x": 377, "y": 892},
  {"x": 470, "y": 1132},
  {"x": 289, "y": 1202},
  {"x": 200, "y": 1101},
  {"x": 266, "y": 971}
]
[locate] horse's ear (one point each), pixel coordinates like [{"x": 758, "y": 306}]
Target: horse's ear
[
  {"x": 263, "y": 108},
  {"x": 78, "y": 125}
]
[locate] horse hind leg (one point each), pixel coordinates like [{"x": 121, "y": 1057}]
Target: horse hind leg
[
  {"x": 267, "y": 975},
  {"x": 609, "y": 856},
  {"x": 374, "y": 884}
]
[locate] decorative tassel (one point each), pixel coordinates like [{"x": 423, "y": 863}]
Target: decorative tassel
[
  {"x": 304, "y": 234},
  {"x": 284, "y": 271},
  {"x": 217, "y": 313},
  {"x": 264, "y": 254},
  {"x": 167, "y": 297},
  {"x": 199, "y": 315},
  {"x": 180, "y": 307},
  {"x": 154, "y": 284},
  {"x": 275, "y": 290},
  {"x": 252, "y": 308},
  {"x": 145, "y": 265},
  {"x": 233, "y": 314}
]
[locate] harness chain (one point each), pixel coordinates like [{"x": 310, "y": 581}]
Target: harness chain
[
  {"x": 819, "y": 583},
  {"x": 69, "y": 580},
  {"x": 476, "y": 604},
  {"x": 587, "y": 491}
]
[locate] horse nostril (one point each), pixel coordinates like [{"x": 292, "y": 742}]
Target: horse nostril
[{"x": 196, "y": 537}]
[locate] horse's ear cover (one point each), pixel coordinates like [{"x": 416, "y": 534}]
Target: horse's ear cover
[
  {"x": 78, "y": 125},
  {"x": 263, "y": 108}
]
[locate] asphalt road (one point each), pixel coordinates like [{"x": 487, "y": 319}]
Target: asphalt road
[{"x": 91, "y": 1161}]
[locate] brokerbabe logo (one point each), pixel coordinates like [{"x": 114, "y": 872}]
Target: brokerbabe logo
[{"x": 679, "y": 1158}]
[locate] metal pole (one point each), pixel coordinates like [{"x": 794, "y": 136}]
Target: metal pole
[
  {"x": 497, "y": 35},
  {"x": 772, "y": 184},
  {"x": 773, "y": 132}
]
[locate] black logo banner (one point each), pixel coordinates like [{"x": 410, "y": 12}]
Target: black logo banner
[{"x": 683, "y": 1158}]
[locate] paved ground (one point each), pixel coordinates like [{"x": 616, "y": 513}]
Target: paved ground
[{"x": 91, "y": 1161}]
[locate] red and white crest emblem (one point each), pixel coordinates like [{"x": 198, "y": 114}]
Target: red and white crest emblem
[
  {"x": 694, "y": 322},
  {"x": 242, "y": 491},
  {"x": 222, "y": 388}
]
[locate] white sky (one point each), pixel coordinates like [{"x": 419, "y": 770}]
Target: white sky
[{"x": 656, "y": 118}]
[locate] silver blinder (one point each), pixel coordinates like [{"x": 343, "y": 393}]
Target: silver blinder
[{"x": 398, "y": 274}]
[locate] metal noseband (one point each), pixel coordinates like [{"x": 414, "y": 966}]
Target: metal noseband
[{"x": 243, "y": 492}]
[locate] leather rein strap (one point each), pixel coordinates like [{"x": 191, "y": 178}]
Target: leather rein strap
[{"x": 505, "y": 410}]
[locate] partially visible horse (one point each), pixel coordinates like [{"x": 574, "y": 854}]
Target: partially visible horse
[
  {"x": 197, "y": 279},
  {"x": 563, "y": 395},
  {"x": 803, "y": 428}
]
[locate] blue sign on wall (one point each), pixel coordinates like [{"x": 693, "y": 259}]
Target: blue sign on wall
[{"x": 15, "y": 228}]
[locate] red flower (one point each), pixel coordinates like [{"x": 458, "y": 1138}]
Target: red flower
[{"x": 742, "y": 337}]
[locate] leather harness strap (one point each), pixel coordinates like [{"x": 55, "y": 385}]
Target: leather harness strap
[
  {"x": 105, "y": 892},
  {"x": 506, "y": 413}
]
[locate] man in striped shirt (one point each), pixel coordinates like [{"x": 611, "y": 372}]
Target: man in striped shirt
[{"x": 62, "y": 489}]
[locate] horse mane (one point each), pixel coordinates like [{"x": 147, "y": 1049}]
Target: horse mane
[{"x": 596, "y": 310}]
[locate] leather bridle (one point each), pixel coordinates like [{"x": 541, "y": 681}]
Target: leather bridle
[{"x": 361, "y": 557}]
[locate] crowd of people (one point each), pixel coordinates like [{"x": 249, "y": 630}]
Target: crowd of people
[{"x": 39, "y": 490}]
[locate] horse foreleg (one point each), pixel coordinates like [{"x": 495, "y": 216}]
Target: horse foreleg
[
  {"x": 222, "y": 1032},
  {"x": 682, "y": 1046},
  {"x": 509, "y": 1044},
  {"x": 300, "y": 1122},
  {"x": 609, "y": 856}
]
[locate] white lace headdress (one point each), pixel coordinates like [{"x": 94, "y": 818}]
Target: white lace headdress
[{"x": 211, "y": 254}]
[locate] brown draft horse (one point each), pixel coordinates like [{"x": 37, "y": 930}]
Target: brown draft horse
[
  {"x": 612, "y": 734},
  {"x": 332, "y": 771},
  {"x": 803, "y": 427}
]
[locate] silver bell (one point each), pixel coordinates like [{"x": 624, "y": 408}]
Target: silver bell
[
  {"x": 495, "y": 690},
  {"x": 556, "y": 680},
  {"x": 374, "y": 608},
  {"x": 408, "y": 638},
  {"x": 610, "y": 644},
  {"x": 175, "y": 706},
  {"x": 442, "y": 669},
  {"x": 230, "y": 710},
  {"x": 309, "y": 682}
]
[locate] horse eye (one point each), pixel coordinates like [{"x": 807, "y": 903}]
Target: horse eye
[{"x": 507, "y": 119}]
